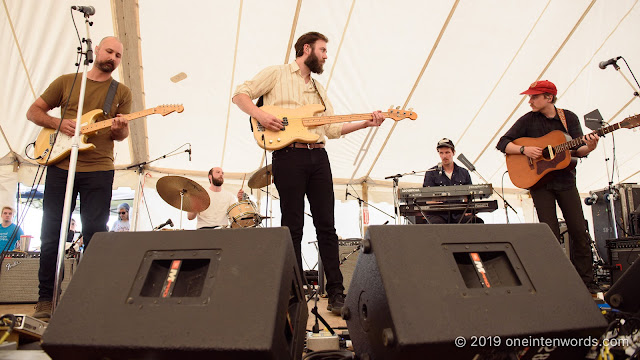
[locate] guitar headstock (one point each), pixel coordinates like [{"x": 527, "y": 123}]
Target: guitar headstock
[
  {"x": 168, "y": 109},
  {"x": 398, "y": 114},
  {"x": 630, "y": 122}
]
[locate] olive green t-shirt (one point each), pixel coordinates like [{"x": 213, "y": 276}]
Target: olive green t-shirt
[{"x": 56, "y": 95}]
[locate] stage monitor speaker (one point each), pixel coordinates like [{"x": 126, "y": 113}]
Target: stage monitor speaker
[
  {"x": 625, "y": 293},
  {"x": 19, "y": 276},
  {"x": 204, "y": 294},
  {"x": 466, "y": 292}
]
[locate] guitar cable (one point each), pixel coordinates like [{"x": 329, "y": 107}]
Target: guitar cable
[{"x": 269, "y": 174}]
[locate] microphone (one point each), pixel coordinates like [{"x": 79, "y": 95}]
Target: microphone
[
  {"x": 189, "y": 151},
  {"x": 466, "y": 162},
  {"x": 168, "y": 222},
  {"x": 612, "y": 61},
  {"x": 88, "y": 10}
]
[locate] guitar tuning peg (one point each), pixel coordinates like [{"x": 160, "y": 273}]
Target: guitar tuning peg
[
  {"x": 410, "y": 109},
  {"x": 397, "y": 107},
  {"x": 391, "y": 107}
]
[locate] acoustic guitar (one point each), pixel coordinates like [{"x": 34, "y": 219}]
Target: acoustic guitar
[
  {"x": 53, "y": 146},
  {"x": 556, "y": 154},
  {"x": 297, "y": 122}
]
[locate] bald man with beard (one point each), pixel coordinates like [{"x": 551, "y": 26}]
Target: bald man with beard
[{"x": 94, "y": 171}]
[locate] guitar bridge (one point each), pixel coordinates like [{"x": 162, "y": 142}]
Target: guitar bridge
[
  {"x": 550, "y": 152},
  {"x": 52, "y": 138},
  {"x": 285, "y": 123}
]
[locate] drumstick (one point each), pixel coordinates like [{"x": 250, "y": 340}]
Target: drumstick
[{"x": 245, "y": 176}]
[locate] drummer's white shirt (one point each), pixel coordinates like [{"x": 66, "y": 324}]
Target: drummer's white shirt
[{"x": 216, "y": 213}]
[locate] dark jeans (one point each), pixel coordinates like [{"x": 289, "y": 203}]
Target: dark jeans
[
  {"x": 95, "y": 199},
  {"x": 545, "y": 199},
  {"x": 300, "y": 172}
]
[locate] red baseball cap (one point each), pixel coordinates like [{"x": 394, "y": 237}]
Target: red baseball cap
[{"x": 541, "y": 87}]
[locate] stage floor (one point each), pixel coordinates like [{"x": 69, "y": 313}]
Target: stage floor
[{"x": 334, "y": 321}]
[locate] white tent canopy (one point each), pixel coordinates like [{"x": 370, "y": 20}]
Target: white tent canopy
[{"x": 459, "y": 64}]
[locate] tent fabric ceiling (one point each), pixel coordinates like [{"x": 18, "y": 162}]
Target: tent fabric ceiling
[{"x": 459, "y": 64}]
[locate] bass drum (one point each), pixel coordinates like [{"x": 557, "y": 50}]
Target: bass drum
[{"x": 243, "y": 214}]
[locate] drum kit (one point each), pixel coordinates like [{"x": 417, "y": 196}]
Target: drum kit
[{"x": 187, "y": 195}]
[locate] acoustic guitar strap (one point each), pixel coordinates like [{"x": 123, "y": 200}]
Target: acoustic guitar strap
[{"x": 563, "y": 119}]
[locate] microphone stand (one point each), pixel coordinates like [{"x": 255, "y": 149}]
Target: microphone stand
[
  {"x": 140, "y": 167},
  {"x": 71, "y": 174},
  {"x": 472, "y": 168},
  {"x": 395, "y": 178},
  {"x": 360, "y": 202}
]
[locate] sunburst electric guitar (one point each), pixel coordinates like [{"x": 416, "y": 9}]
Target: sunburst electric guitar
[
  {"x": 52, "y": 146},
  {"x": 297, "y": 122},
  {"x": 556, "y": 155}
]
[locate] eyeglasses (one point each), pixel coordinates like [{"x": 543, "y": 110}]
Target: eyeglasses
[{"x": 122, "y": 212}]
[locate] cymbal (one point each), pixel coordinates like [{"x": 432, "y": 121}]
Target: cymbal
[
  {"x": 261, "y": 178},
  {"x": 196, "y": 198}
]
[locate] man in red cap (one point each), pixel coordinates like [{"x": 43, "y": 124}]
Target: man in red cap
[{"x": 560, "y": 185}]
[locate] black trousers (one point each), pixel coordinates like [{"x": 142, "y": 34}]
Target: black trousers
[
  {"x": 95, "y": 199},
  {"x": 569, "y": 202},
  {"x": 300, "y": 172}
]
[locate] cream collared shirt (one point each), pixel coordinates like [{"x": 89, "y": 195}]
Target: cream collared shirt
[{"x": 284, "y": 86}]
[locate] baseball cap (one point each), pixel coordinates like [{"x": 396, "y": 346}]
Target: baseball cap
[
  {"x": 541, "y": 87},
  {"x": 445, "y": 143}
]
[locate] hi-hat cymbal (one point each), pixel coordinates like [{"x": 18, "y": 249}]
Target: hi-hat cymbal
[
  {"x": 261, "y": 178},
  {"x": 195, "y": 197}
]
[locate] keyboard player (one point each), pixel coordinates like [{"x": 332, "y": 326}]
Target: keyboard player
[{"x": 447, "y": 173}]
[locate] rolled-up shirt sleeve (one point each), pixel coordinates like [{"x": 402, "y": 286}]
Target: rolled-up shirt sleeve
[{"x": 261, "y": 84}]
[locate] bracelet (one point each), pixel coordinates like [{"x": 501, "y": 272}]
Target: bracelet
[{"x": 522, "y": 149}]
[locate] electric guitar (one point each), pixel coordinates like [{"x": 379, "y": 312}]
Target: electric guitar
[
  {"x": 556, "y": 155},
  {"x": 297, "y": 121},
  {"x": 52, "y": 146}
]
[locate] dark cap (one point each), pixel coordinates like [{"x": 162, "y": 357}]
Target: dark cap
[
  {"x": 446, "y": 143},
  {"x": 541, "y": 87}
]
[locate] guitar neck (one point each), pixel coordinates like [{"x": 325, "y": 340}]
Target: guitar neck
[
  {"x": 578, "y": 141},
  {"x": 91, "y": 128},
  {"x": 324, "y": 120}
]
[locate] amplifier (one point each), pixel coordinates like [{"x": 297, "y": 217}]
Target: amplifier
[
  {"x": 348, "y": 252},
  {"x": 622, "y": 254},
  {"x": 19, "y": 276}
]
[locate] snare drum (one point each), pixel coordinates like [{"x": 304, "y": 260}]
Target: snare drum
[{"x": 243, "y": 214}]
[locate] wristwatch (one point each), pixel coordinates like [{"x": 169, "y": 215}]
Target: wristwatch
[{"x": 522, "y": 149}]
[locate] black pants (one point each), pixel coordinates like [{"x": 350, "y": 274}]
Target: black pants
[
  {"x": 95, "y": 199},
  {"x": 569, "y": 201},
  {"x": 300, "y": 172}
]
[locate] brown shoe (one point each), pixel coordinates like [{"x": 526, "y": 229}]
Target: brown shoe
[{"x": 43, "y": 310}]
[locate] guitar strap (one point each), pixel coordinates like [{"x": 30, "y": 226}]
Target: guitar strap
[
  {"x": 563, "y": 119},
  {"x": 108, "y": 101},
  {"x": 320, "y": 96}
]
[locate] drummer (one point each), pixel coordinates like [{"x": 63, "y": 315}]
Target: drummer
[{"x": 216, "y": 214}]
